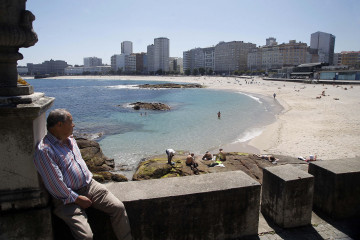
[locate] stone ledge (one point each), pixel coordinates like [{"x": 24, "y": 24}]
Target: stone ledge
[{"x": 209, "y": 206}]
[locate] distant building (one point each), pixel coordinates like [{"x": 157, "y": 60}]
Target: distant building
[
  {"x": 118, "y": 62},
  {"x": 150, "y": 58},
  {"x": 127, "y": 47},
  {"x": 271, "y": 41},
  {"x": 53, "y": 67},
  {"x": 351, "y": 59},
  {"x": 325, "y": 44},
  {"x": 175, "y": 64},
  {"x": 161, "y": 54},
  {"x": 274, "y": 56},
  {"x": 74, "y": 70},
  {"x": 232, "y": 56},
  {"x": 22, "y": 70},
  {"x": 92, "y": 61},
  {"x": 199, "y": 58},
  {"x": 141, "y": 63},
  {"x": 194, "y": 59},
  {"x": 130, "y": 63},
  {"x": 99, "y": 70},
  {"x": 337, "y": 59}
]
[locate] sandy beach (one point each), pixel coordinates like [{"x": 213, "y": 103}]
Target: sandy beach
[{"x": 328, "y": 127}]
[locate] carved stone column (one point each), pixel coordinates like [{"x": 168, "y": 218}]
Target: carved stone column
[{"x": 24, "y": 209}]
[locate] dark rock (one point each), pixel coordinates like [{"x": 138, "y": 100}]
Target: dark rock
[
  {"x": 118, "y": 178},
  {"x": 97, "y": 162},
  {"x": 150, "y": 106}
]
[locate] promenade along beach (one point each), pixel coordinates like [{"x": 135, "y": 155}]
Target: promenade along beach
[{"x": 328, "y": 127}]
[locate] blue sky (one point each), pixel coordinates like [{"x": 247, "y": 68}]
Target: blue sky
[{"x": 73, "y": 29}]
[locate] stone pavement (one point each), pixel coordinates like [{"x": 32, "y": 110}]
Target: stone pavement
[{"x": 320, "y": 228}]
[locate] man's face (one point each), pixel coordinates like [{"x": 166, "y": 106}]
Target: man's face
[{"x": 67, "y": 126}]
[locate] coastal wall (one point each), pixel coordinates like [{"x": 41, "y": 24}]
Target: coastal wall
[{"x": 225, "y": 205}]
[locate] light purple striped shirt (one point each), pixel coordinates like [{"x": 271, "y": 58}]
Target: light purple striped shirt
[{"x": 61, "y": 167}]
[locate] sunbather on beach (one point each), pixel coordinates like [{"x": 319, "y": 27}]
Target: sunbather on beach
[
  {"x": 270, "y": 158},
  {"x": 207, "y": 156},
  {"x": 190, "y": 161},
  {"x": 221, "y": 155}
]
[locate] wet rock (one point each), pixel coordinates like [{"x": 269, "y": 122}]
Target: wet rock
[{"x": 150, "y": 106}]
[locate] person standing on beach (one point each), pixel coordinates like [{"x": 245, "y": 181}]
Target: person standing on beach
[
  {"x": 170, "y": 154},
  {"x": 67, "y": 178},
  {"x": 274, "y": 95},
  {"x": 219, "y": 115}
]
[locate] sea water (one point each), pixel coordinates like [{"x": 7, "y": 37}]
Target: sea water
[{"x": 101, "y": 111}]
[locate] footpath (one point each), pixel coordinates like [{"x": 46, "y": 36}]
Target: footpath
[{"x": 320, "y": 228}]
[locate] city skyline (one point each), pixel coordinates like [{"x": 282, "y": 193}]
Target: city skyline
[{"x": 70, "y": 31}]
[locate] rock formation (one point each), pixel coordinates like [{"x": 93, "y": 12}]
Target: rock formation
[
  {"x": 157, "y": 167},
  {"x": 97, "y": 162},
  {"x": 150, "y": 106}
]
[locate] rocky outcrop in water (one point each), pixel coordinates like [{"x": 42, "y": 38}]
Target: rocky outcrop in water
[
  {"x": 157, "y": 167},
  {"x": 97, "y": 162},
  {"x": 150, "y": 106},
  {"x": 171, "y": 85}
]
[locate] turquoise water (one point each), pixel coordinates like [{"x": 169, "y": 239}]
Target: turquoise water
[{"x": 100, "y": 110}]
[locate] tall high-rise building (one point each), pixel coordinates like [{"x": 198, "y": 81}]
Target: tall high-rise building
[
  {"x": 325, "y": 44},
  {"x": 92, "y": 61},
  {"x": 127, "y": 47},
  {"x": 150, "y": 58},
  {"x": 161, "y": 54}
]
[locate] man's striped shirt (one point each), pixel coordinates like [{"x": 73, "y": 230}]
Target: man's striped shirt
[{"x": 61, "y": 167}]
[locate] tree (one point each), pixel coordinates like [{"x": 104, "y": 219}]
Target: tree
[
  {"x": 195, "y": 72},
  {"x": 202, "y": 71},
  {"x": 187, "y": 72}
]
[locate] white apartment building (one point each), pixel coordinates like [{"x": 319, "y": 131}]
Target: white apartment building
[
  {"x": 199, "y": 58},
  {"x": 92, "y": 61},
  {"x": 118, "y": 62},
  {"x": 130, "y": 63},
  {"x": 161, "y": 54},
  {"x": 127, "y": 47}
]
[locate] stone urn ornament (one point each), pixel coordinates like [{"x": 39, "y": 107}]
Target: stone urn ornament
[{"x": 16, "y": 31}]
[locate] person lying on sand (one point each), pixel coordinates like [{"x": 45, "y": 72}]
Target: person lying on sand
[
  {"x": 270, "y": 158},
  {"x": 311, "y": 158}
]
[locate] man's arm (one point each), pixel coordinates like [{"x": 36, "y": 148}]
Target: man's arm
[{"x": 83, "y": 201}]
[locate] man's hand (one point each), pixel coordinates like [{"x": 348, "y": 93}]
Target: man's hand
[{"x": 83, "y": 202}]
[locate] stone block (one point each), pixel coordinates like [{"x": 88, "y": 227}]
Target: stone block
[
  {"x": 30, "y": 224},
  {"x": 287, "y": 196},
  {"x": 210, "y": 206},
  {"x": 336, "y": 187}
]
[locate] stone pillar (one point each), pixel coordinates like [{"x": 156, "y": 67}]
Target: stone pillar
[
  {"x": 336, "y": 187},
  {"x": 287, "y": 196},
  {"x": 24, "y": 211}
]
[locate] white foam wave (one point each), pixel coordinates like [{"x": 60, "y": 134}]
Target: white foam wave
[
  {"x": 251, "y": 96},
  {"x": 250, "y": 134},
  {"x": 124, "y": 87}
]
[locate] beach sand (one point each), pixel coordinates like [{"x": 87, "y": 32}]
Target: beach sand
[{"x": 328, "y": 127}]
